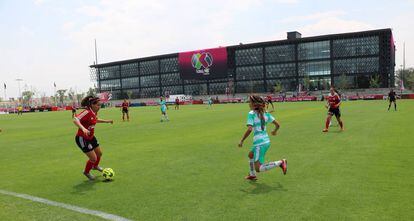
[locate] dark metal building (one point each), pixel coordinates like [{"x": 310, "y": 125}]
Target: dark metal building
[{"x": 349, "y": 60}]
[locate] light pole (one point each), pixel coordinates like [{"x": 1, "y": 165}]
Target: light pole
[{"x": 20, "y": 93}]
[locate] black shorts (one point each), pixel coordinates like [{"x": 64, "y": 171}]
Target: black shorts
[
  {"x": 125, "y": 111},
  {"x": 269, "y": 101},
  {"x": 334, "y": 111},
  {"x": 392, "y": 100},
  {"x": 73, "y": 110},
  {"x": 86, "y": 145}
]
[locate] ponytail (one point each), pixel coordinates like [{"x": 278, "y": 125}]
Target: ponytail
[
  {"x": 88, "y": 101},
  {"x": 259, "y": 106}
]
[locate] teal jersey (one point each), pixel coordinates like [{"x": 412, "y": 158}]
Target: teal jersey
[
  {"x": 260, "y": 136},
  {"x": 163, "y": 106}
]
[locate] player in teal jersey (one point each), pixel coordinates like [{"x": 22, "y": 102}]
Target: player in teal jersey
[
  {"x": 256, "y": 122},
  {"x": 210, "y": 102},
  {"x": 163, "y": 110}
]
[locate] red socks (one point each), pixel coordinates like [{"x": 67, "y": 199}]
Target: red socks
[
  {"x": 88, "y": 166},
  {"x": 327, "y": 123}
]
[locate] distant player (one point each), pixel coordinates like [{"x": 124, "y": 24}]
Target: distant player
[
  {"x": 392, "y": 97},
  {"x": 163, "y": 105},
  {"x": 125, "y": 109},
  {"x": 256, "y": 122},
  {"x": 209, "y": 103},
  {"x": 269, "y": 101},
  {"x": 20, "y": 110},
  {"x": 334, "y": 101},
  {"x": 177, "y": 103},
  {"x": 85, "y": 138}
]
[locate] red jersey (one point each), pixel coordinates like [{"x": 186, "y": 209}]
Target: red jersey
[
  {"x": 334, "y": 100},
  {"x": 125, "y": 105},
  {"x": 88, "y": 120},
  {"x": 269, "y": 97}
]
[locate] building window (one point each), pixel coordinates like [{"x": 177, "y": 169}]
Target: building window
[
  {"x": 150, "y": 81},
  {"x": 355, "y": 81},
  {"x": 131, "y": 94},
  {"x": 356, "y": 65},
  {"x": 109, "y": 72},
  {"x": 316, "y": 83},
  {"x": 149, "y": 67},
  {"x": 108, "y": 85},
  {"x": 250, "y": 86},
  {"x": 150, "y": 92},
  {"x": 287, "y": 84},
  {"x": 170, "y": 79},
  {"x": 280, "y": 53},
  {"x": 314, "y": 68},
  {"x": 280, "y": 70},
  {"x": 171, "y": 90},
  {"x": 249, "y": 72},
  {"x": 169, "y": 65},
  {"x": 249, "y": 56},
  {"x": 313, "y": 50},
  {"x": 218, "y": 88},
  {"x": 196, "y": 89},
  {"x": 356, "y": 47},
  {"x": 130, "y": 82},
  {"x": 129, "y": 70}
]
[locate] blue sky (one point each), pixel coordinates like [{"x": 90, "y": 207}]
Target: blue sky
[{"x": 45, "y": 41}]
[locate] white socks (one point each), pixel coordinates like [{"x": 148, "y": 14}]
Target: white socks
[
  {"x": 270, "y": 165},
  {"x": 252, "y": 171}
]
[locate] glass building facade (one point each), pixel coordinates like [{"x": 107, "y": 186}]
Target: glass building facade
[{"x": 318, "y": 62}]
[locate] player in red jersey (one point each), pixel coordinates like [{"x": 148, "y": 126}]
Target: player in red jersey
[
  {"x": 85, "y": 138},
  {"x": 125, "y": 109},
  {"x": 177, "y": 104},
  {"x": 334, "y": 101}
]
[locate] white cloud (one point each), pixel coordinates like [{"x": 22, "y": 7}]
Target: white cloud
[
  {"x": 334, "y": 25},
  {"x": 26, "y": 32},
  {"x": 39, "y": 2},
  {"x": 130, "y": 29},
  {"x": 312, "y": 17},
  {"x": 287, "y": 1}
]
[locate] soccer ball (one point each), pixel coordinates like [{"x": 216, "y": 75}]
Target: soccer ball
[{"x": 108, "y": 174}]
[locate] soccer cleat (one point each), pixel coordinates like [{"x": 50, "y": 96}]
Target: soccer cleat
[
  {"x": 98, "y": 168},
  {"x": 284, "y": 166},
  {"x": 250, "y": 177},
  {"x": 89, "y": 176},
  {"x": 325, "y": 130}
]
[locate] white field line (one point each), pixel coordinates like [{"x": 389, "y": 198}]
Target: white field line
[{"x": 66, "y": 206}]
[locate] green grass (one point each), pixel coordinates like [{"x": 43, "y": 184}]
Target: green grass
[{"x": 191, "y": 168}]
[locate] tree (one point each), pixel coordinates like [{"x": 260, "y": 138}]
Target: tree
[
  {"x": 278, "y": 87},
  {"x": 71, "y": 95},
  {"x": 306, "y": 82},
  {"x": 374, "y": 81},
  {"x": 407, "y": 77},
  {"x": 61, "y": 95},
  {"x": 79, "y": 97},
  {"x": 342, "y": 82},
  {"x": 129, "y": 94},
  {"x": 91, "y": 92},
  {"x": 27, "y": 96}
]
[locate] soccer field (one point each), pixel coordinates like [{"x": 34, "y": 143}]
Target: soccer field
[{"x": 191, "y": 168}]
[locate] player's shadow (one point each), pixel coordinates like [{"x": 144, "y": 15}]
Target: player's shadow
[
  {"x": 262, "y": 188},
  {"x": 84, "y": 186}
]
